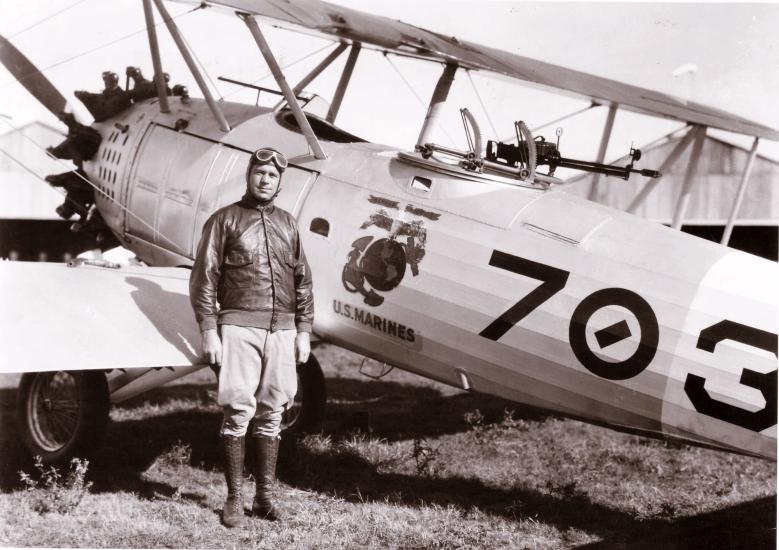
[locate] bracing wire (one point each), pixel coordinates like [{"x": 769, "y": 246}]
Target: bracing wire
[
  {"x": 569, "y": 115},
  {"x": 483, "y": 106},
  {"x": 27, "y": 28},
  {"x": 285, "y": 67},
  {"x": 91, "y": 50},
  {"x": 86, "y": 180},
  {"x": 416, "y": 95},
  {"x": 406, "y": 82},
  {"x": 202, "y": 67},
  {"x": 560, "y": 119}
]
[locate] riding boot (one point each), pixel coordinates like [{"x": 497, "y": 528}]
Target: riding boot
[
  {"x": 266, "y": 453},
  {"x": 233, "y": 449}
]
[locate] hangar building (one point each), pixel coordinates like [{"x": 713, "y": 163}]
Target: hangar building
[
  {"x": 29, "y": 226},
  {"x": 719, "y": 170}
]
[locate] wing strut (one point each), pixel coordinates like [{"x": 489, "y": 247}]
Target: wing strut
[
  {"x": 741, "y": 190},
  {"x": 440, "y": 94},
  {"x": 149, "y": 379},
  {"x": 154, "y": 48},
  {"x": 315, "y": 72},
  {"x": 174, "y": 32},
  {"x": 346, "y": 76},
  {"x": 651, "y": 183},
  {"x": 292, "y": 101},
  {"x": 689, "y": 178},
  {"x": 604, "y": 144}
]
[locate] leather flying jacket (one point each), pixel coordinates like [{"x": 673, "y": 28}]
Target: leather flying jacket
[{"x": 250, "y": 260}]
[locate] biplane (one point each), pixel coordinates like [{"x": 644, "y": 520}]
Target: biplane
[{"x": 471, "y": 267}]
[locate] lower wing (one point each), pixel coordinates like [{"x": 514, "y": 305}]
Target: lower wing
[{"x": 56, "y": 317}]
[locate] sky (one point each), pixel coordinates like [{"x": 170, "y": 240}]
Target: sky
[{"x": 734, "y": 46}]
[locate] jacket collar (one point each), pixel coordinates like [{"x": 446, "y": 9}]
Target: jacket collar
[{"x": 248, "y": 201}]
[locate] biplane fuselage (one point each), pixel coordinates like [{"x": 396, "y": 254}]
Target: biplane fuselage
[{"x": 528, "y": 294}]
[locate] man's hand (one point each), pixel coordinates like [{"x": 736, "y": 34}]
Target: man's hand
[
  {"x": 302, "y": 347},
  {"x": 212, "y": 347}
]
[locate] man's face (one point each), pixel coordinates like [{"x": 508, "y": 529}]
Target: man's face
[{"x": 263, "y": 181}]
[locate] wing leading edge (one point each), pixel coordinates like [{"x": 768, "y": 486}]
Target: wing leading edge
[{"x": 387, "y": 34}]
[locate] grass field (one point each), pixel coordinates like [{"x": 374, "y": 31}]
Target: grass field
[{"x": 401, "y": 463}]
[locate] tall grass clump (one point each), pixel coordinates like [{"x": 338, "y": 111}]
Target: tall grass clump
[{"x": 54, "y": 491}]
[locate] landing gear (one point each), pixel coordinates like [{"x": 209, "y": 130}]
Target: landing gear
[
  {"x": 308, "y": 410},
  {"x": 62, "y": 414}
]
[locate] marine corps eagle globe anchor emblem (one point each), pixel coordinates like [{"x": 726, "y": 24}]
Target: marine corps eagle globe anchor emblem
[{"x": 379, "y": 264}]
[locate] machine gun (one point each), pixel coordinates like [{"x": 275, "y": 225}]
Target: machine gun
[
  {"x": 521, "y": 160},
  {"x": 548, "y": 154}
]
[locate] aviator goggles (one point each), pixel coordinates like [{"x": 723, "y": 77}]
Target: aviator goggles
[{"x": 269, "y": 155}]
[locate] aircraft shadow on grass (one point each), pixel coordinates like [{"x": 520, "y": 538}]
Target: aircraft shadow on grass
[
  {"x": 386, "y": 410},
  {"x": 746, "y": 525},
  {"x": 390, "y": 411}
]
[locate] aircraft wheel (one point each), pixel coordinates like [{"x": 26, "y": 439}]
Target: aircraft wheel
[
  {"x": 62, "y": 414},
  {"x": 308, "y": 410}
]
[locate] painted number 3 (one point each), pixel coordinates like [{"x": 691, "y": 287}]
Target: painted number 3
[{"x": 707, "y": 341}]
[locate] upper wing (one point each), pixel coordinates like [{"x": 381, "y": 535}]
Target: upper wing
[
  {"x": 59, "y": 318},
  {"x": 387, "y": 34}
]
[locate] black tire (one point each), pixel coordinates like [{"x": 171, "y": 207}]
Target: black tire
[
  {"x": 62, "y": 414},
  {"x": 308, "y": 410}
]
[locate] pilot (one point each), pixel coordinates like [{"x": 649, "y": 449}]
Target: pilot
[{"x": 250, "y": 260}]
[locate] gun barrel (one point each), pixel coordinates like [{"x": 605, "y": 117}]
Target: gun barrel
[{"x": 607, "y": 169}]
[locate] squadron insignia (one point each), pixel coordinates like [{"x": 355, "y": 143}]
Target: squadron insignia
[{"x": 378, "y": 263}]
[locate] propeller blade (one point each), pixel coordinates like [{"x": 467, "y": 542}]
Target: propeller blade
[{"x": 32, "y": 79}]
